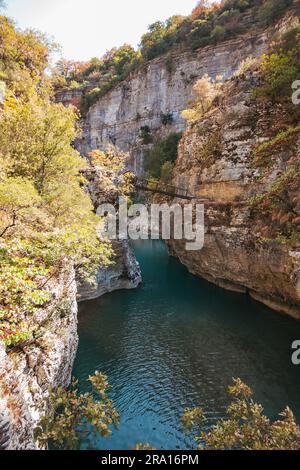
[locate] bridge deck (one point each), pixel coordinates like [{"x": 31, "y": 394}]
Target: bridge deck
[{"x": 162, "y": 188}]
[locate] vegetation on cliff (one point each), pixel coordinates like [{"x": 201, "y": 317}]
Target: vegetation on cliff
[
  {"x": 74, "y": 418},
  {"x": 209, "y": 23},
  {"x": 46, "y": 216},
  {"x": 275, "y": 209},
  {"x": 280, "y": 205},
  {"x": 159, "y": 161},
  {"x": 246, "y": 427}
]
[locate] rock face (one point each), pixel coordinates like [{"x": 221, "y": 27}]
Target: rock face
[
  {"x": 162, "y": 87},
  {"x": 216, "y": 163},
  {"x": 26, "y": 374},
  {"x": 124, "y": 272}
]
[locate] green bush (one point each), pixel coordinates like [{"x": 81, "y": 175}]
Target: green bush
[
  {"x": 280, "y": 68},
  {"x": 71, "y": 416},
  {"x": 283, "y": 141},
  {"x": 166, "y": 172},
  {"x": 163, "y": 151},
  {"x": 146, "y": 135},
  {"x": 167, "y": 118}
]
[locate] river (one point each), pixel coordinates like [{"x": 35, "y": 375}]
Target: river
[{"x": 177, "y": 342}]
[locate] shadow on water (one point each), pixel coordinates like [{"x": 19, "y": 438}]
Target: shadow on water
[{"x": 177, "y": 342}]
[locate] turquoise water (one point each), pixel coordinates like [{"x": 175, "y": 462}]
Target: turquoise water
[{"x": 177, "y": 342}]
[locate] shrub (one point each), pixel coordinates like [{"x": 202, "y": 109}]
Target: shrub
[
  {"x": 248, "y": 64},
  {"x": 167, "y": 119},
  {"x": 206, "y": 91},
  {"x": 280, "y": 68},
  {"x": 211, "y": 150},
  {"x": 166, "y": 172},
  {"x": 146, "y": 135},
  {"x": 164, "y": 150},
  {"x": 218, "y": 33},
  {"x": 246, "y": 427},
  {"x": 72, "y": 415},
  {"x": 13, "y": 335},
  {"x": 169, "y": 64},
  {"x": 279, "y": 73},
  {"x": 277, "y": 211},
  {"x": 284, "y": 141}
]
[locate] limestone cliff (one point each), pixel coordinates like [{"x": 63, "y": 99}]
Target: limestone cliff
[
  {"x": 26, "y": 373},
  {"x": 162, "y": 87},
  {"x": 242, "y": 250}
]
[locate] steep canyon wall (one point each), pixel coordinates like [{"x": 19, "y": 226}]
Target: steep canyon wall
[{"x": 163, "y": 86}]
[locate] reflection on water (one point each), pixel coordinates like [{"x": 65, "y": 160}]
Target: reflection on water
[{"x": 177, "y": 342}]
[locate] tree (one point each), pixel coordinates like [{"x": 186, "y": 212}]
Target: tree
[
  {"x": 22, "y": 50},
  {"x": 72, "y": 416},
  {"x": 18, "y": 202},
  {"x": 47, "y": 219},
  {"x": 123, "y": 59},
  {"x": 35, "y": 141},
  {"x": 202, "y": 7},
  {"x": 152, "y": 42},
  {"x": 246, "y": 427}
]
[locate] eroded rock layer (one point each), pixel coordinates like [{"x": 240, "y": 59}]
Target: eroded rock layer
[
  {"x": 249, "y": 246},
  {"x": 163, "y": 87}
]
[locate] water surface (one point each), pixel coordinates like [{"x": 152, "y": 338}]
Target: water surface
[{"x": 177, "y": 342}]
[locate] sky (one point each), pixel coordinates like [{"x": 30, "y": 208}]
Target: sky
[{"x": 87, "y": 28}]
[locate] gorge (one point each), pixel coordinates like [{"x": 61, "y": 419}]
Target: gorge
[
  {"x": 169, "y": 327},
  {"x": 234, "y": 256}
]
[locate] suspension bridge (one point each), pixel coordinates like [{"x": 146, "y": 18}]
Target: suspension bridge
[{"x": 159, "y": 187}]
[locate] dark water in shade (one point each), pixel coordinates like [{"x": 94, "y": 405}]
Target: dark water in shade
[{"x": 177, "y": 342}]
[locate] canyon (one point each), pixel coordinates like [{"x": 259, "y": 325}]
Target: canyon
[
  {"x": 234, "y": 256},
  {"x": 162, "y": 87}
]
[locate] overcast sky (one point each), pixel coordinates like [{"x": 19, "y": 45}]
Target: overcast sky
[{"x": 87, "y": 28}]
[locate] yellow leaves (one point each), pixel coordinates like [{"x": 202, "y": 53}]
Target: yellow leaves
[
  {"x": 41, "y": 191},
  {"x": 239, "y": 389},
  {"x": 25, "y": 49},
  {"x": 190, "y": 114},
  {"x": 71, "y": 415},
  {"x": 246, "y": 427},
  {"x": 111, "y": 159},
  {"x": 206, "y": 91},
  {"x": 193, "y": 418}
]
